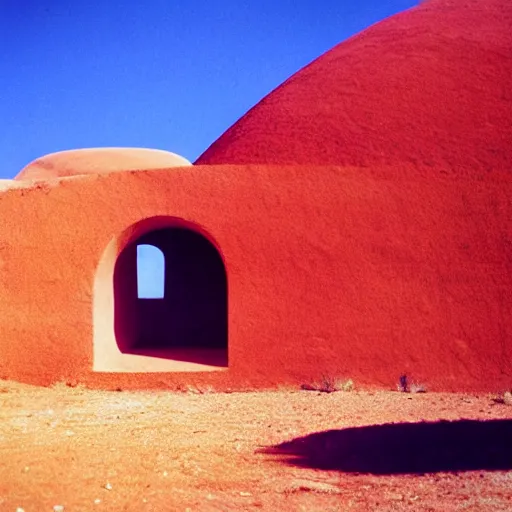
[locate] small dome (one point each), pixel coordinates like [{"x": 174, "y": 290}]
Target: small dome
[
  {"x": 430, "y": 87},
  {"x": 98, "y": 160}
]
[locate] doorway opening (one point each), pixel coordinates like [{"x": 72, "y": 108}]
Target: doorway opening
[{"x": 169, "y": 302}]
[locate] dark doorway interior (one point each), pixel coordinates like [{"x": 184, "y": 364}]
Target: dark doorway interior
[{"x": 189, "y": 322}]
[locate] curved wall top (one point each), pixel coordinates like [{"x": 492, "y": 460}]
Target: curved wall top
[
  {"x": 99, "y": 160},
  {"x": 429, "y": 87}
]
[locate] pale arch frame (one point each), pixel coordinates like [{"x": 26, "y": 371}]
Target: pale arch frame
[{"x": 106, "y": 355}]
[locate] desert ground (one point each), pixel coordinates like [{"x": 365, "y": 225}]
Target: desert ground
[{"x": 74, "y": 449}]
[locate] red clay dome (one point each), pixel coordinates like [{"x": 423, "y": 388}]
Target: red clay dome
[
  {"x": 431, "y": 86},
  {"x": 98, "y": 160}
]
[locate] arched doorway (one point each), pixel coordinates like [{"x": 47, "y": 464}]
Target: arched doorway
[{"x": 169, "y": 302}]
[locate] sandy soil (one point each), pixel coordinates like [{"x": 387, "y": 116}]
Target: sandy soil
[{"x": 158, "y": 451}]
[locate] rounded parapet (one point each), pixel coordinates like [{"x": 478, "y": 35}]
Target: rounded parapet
[{"x": 97, "y": 161}]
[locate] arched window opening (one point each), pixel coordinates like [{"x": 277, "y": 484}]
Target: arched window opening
[{"x": 150, "y": 272}]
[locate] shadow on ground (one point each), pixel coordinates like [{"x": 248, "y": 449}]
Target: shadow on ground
[{"x": 399, "y": 448}]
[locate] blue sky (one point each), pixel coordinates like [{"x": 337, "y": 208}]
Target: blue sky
[{"x": 168, "y": 74}]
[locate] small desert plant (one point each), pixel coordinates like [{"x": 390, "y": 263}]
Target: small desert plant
[
  {"x": 418, "y": 388},
  {"x": 348, "y": 385},
  {"x": 329, "y": 384},
  {"x": 198, "y": 390},
  {"x": 505, "y": 398},
  {"x": 404, "y": 386}
]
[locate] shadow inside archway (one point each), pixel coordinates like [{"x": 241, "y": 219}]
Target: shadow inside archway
[
  {"x": 188, "y": 320},
  {"x": 448, "y": 446}
]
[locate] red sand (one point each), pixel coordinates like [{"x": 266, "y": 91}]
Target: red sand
[
  {"x": 431, "y": 87},
  {"x": 162, "y": 451}
]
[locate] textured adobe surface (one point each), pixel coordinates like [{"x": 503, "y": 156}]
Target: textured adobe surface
[
  {"x": 98, "y": 160},
  {"x": 431, "y": 86},
  {"x": 345, "y": 275},
  {"x": 364, "y": 271}
]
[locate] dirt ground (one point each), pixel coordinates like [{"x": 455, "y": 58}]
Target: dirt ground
[{"x": 158, "y": 451}]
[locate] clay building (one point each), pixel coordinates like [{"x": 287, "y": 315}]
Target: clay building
[{"x": 356, "y": 222}]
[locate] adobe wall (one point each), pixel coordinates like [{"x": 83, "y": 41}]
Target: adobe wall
[{"x": 363, "y": 273}]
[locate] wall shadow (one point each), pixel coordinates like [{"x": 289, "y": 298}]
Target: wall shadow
[
  {"x": 209, "y": 357},
  {"x": 418, "y": 448}
]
